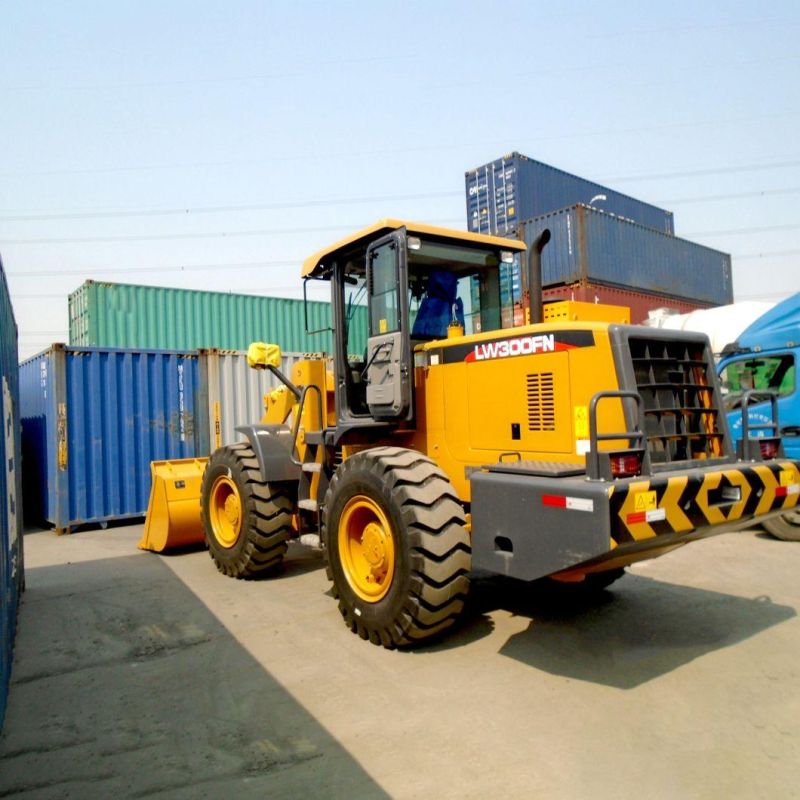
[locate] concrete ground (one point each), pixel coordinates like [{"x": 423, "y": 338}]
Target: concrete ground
[{"x": 138, "y": 675}]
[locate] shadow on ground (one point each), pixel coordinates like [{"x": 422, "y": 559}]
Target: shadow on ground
[
  {"x": 637, "y": 630},
  {"x": 124, "y": 685}
]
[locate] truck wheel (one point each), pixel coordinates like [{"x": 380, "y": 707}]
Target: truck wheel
[
  {"x": 786, "y": 526},
  {"x": 246, "y": 521},
  {"x": 396, "y": 547}
]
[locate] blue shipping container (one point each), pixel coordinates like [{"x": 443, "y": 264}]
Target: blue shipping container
[
  {"x": 11, "y": 566},
  {"x": 589, "y": 245},
  {"x": 513, "y": 188},
  {"x": 92, "y": 421}
]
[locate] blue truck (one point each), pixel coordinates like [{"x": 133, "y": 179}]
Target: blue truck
[{"x": 759, "y": 371}]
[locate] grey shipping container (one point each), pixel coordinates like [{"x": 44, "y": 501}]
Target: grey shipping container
[
  {"x": 236, "y": 392},
  {"x": 92, "y": 421},
  {"x": 155, "y": 317},
  {"x": 513, "y": 188},
  {"x": 11, "y": 566},
  {"x": 588, "y": 245}
]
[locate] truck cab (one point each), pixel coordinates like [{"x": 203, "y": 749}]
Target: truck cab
[
  {"x": 759, "y": 371},
  {"x": 764, "y": 359}
]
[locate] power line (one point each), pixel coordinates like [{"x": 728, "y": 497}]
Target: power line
[
  {"x": 255, "y": 265},
  {"x": 712, "y": 197},
  {"x": 361, "y": 154},
  {"x": 41, "y": 215},
  {"x": 771, "y": 254},
  {"x": 738, "y": 231},
  {"x": 698, "y": 172},
  {"x": 210, "y": 235},
  {"x": 164, "y": 212},
  {"x": 218, "y": 80},
  {"x": 284, "y": 231},
  {"x": 172, "y": 268},
  {"x": 156, "y": 237}
]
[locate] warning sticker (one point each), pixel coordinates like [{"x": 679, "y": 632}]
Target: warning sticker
[
  {"x": 580, "y": 418},
  {"x": 645, "y": 501}
]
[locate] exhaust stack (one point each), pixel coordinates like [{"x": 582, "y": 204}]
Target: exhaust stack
[{"x": 535, "y": 275}]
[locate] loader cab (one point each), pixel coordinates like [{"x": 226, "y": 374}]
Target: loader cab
[{"x": 393, "y": 287}]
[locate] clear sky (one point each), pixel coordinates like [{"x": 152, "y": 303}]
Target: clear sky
[{"x": 215, "y": 145}]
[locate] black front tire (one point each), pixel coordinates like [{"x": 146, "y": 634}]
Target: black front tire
[
  {"x": 431, "y": 546},
  {"x": 265, "y": 515}
]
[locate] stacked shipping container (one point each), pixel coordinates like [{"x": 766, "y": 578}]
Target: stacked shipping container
[
  {"x": 511, "y": 189},
  {"x": 11, "y": 566},
  {"x": 620, "y": 250},
  {"x": 154, "y": 317},
  {"x": 590, "y": 246}
]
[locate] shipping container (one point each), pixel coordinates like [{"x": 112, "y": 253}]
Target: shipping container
[
  {"x": 11, "y": 566},
  {"x": 146, "y": 317},
  {"x": 92, "y": 421},
  {"x": 508, "y": 190},
  {"x": 590, "y": 246},
  {"x": 640, "y": 303},
  {"x": 235, "y": 392}
]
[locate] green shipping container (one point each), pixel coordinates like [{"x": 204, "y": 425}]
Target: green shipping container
[{"x": 144, "y": 317}]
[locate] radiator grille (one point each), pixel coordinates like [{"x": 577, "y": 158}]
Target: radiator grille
[
  {"x": 681, "y": 414},
  {"x": 541, "y": 402}
]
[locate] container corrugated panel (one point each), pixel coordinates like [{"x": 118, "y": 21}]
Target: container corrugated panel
[
  {"x": 92, "y": 421},
  {"x": 640, "y": 303},
  {"x": 513, "y": 188},
  {"x": 11, "y": 566},
  {"x": 143, "y": 317},
  {"x": 589, "y": 245},
  {"x": 236, "y": 392}
]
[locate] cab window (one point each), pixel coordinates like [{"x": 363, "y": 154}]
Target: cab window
[
  {"x": 762, "y": 373},
  {"x": 384, "y": 295}
]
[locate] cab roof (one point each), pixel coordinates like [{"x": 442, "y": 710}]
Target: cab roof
[{"x": 359, "y": 240}]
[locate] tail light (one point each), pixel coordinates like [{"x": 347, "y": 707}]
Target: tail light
[
  {"x": 769, "y": 448},
  {"x": 625, "y": 465}
]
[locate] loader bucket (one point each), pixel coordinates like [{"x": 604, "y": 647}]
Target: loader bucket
[{"x": 173, "y": 514}]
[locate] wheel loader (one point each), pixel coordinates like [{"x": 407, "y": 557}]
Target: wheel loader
[{"x": 451, "y": 441}]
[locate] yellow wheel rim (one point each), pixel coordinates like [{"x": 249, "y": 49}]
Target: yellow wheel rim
[
  {"x": 225, "y": 511},
  {"x": 366, "y": 548}
]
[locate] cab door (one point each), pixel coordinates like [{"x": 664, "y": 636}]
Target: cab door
[{"x": 388, "y": 370}]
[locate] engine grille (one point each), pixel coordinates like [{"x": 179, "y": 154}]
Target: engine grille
[
  {"x": 680, "y": 410},
  {"x": 541, "y": 402}
]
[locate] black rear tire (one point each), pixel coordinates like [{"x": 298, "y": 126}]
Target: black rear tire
[
  {"x": 786, "y": 526},
  {"x": 406, "y": 495},
  {"x": 252, "y": 539}
]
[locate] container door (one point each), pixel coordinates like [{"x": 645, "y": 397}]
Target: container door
[{"x": 388, "y": 370}]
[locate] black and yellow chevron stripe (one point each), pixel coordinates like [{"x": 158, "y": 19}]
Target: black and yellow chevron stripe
[{"x": 701, "y": 499}]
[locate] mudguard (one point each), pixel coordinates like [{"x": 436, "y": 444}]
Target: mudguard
[{"x": 272, "y": 446}]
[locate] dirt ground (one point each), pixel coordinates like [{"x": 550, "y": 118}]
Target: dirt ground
[{"x": 138, "y": 675}]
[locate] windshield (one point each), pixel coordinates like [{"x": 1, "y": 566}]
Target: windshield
[
  {"x": 449, "y": 283},
  {"x": 763, "y": 373}
]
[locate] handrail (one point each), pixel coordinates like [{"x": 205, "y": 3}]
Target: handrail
[
  {"x": 594, "y": 470},
  {"x": 747, "y": 443},
  {"x": 298, "y": 416}
]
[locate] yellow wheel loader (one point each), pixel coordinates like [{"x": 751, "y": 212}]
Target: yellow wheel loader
[{"x": 453, "y": 441}]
